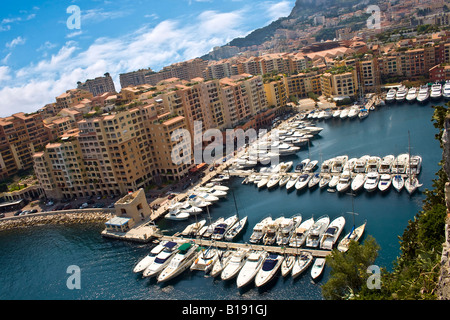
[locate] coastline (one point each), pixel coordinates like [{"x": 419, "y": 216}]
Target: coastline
[{"x": 68, "y": 217}]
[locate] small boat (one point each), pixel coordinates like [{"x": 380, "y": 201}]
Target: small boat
[
  {"x": 353, "y": 113},
  {"x": 317, "y": 268},
  {"x": 207, "y": 231},
  {"x": 205, "y": 259},
  {"x": 234, "y": 265},
  {"x": 271, "y": 232},
  {"x": 198, "y": 202},
  {"x": 360, "y": 165},
  {"x": 424, "y": 94},
  {"x": 311, "y": 166},
  {"x": 316, "y": 231},
  {"x": 400, "y": 163},
  {"x": 334, "y": 181},
  {"x": 436, "y": 91},
  {"x": 285, "y": 229},
  {"x": 338, "y": 164},
  {"x": 358, "y": 181},
  {"x": 344, "y": 113},
  {"x": 207, "y": 197},
  {"x": 412, "y": 94},
  {"x": 314, "y": 181},
  {"x": 263, "y": 182},
  {"x": 371, "y": 183},
  {"x": 345, "y": 181},
  {"x": 411, "y": 184},
  {"x": 390, "y": 96},
  {"x": 273, "y": 181},
  {"x": 354, "y": 235},
  {"x": 324, "y": 181},
  {"x": 363, "y": 113},
  {"x": 332, "y": 233},
  {"x": 222, "y": 261},
  {"x": 222, "y": 228},
  {"x": 300, "y": 233},
  {"x": 269, "y": 268},
  {"x": 302, "y": 181},
  {"x": 259, "y": 230},
  {"x": 302, "y": 263},
  {"x": 446, "y": 90},
  {"x": 236, "y": 229},
  {"x": 326, "y": 166},
  {"x": 284, "y": 180},
  {"x": 400, "y": 96},
  {"x": 398, "y": 182},
  {"x": 301, "y": 166},
  {"x": 250, "y": 268},
  {"x": 192, "y": 229},
  {"x": 177, "y": 215},
  {"x": 292, "y": 181},
  {"x": 336, "y": 113},
  {"x": 385, "y": 182},
  {"x": 386, "y": 163},
  {"x": 150, "y": 257},
  {"x": 161, "y": 261},
  {"x": 287, "y": 264},
  {"x": 414, "y": 165},
  {"x": 372, "y": 164},
  {"x": 180, "y": 262}
]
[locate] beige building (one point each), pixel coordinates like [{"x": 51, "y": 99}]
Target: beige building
[
  {"x": 339, "y": 83},
  {"x": 276, "y": 92}
]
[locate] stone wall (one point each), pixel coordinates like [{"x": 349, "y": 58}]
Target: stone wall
[{"x": 443, "y": 292}]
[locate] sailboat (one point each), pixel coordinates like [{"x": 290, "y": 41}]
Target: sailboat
[
  {"x": 355, "y": 234},
  {"x": 238, "y": 227},
  {"x": 411, "y": 183}
]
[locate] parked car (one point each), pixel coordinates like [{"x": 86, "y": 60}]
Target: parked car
[
  {"x": 18, "y": 213},
  {"x": 67, "y": 206},
  {"x": 171, "y": 196},
  {"x": 84, "y": 205},
  {"x": 33, "y": 211}
]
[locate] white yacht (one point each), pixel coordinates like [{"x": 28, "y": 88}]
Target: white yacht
[
  {"x": 177, "y": 215},
  {"x": 287, "y": 264},
  {"x": 236, "y": 229},
  {"x": 358, "y": 181},
  {"x": 292, "y": 181},
  {"x": 326, "y": 166},
  {"x": 338, "y": 164},
  {"x": 222, "y": 228},
  {"x": 302, "y": 262},
  {"x": 354, "y": 235},
  {"x": 271, "y": 232},
  {"x": 268, "y": 269},
  {"x": 311, "y": 166},
  {"x": 424, "y": 94},
  {"x": 385, "y": 182},
  {"x": 284, "y": 149},
  {"x": 286, "y": 228},
  {"x": 414, "y": 165},
  {"x": 150, "y": 257},
  {"x": 344, "y": 113},
  {"x": 390, "y": 96},
  {"x": 398, "y": 182},
  {"x": 301, "y": 166},
  {"x": 446, "y": 90},
  {"x": 334, "y": 181},
  {"x": 250, "y": 268},
  {"x": 372, "y": 164},
  {"x": 181, "y": 261},
  {"x": 363, "y": 113},
  {"x": 192, "y": 229},
  {"x": 234, "y": 265},
  {"x": 436, "y": 91},
  {"x": 205, "y": 259},
  {"x": 354, "y": 111},
  {"x": 284, "y": 180},
  {"x": 360, "y": 165},
  {"x": 412, "y": 94},
  {"x": 302, "y": 181},
  {"x": 300, "y": 233},
  {"x": 371, "y": 183},
  {"x": 160, "y": 261},
  {"x": 316, "y": 231},
  {"x": 314, "y": 181},
  {"x": 324, "y": 181},
  {"x": 386, "y": 163},
  {"x": 336, "y": 113},
  {"x": 263, "y": 182},
  {"x": 259, "y": 230},
  {"x": 345, "y": 181},
  {"x": 273, "y": 181},
  {"x": 400, "y": 163},
  {"x": 400, "y": 96},
  {"x": 332, "y": 233},
  {"x": 317, "y": 268},
  {"x": 208, "y": 230},
  {"x": 411, "y": 184},
  {"x": 221, "y": 262}
]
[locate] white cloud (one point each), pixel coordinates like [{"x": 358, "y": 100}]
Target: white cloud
[
  {"x": 4, "y": 73},
  {"x": 276, "y": 10},
  {"x": 6, "y": 58},
  {"x": 74, "y": 34},
  {"x": 15, "y": 42}
]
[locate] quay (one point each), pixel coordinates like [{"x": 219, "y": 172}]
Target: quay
[{"x": 236, "y": 245}]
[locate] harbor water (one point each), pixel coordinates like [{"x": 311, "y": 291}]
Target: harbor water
[{"x": 35, "y": 261}]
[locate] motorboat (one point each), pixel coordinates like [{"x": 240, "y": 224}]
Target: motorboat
[
  {"x": 372, "y": 164},
  {"x": 398, "y": 182},
  {"x": 271, "y": 232},
  {"x": 284, "y": 180},
  {"x": 273, "y": 181},
  {"x": 354, "y": 111},
  {"x": 355, "y": 234},
  {"x": 302, "y": 181},
  {"x": 385, "y": 182},
  {"x": 390, "y": 96},
  {"x": 446, "y": 90},
  {"x": 334, "y": 181},
  {"x": 208, "y": 230},
  {"x": 285, "y": 229},
  {"x": 299, "y": 167},
  {"x": 350, "y": 164},
  {"x": 414, "y": 165},
  {"x": 400, "y": 96},
  {"x": 360, "y": 165},
  {"x": 177, "y": 215},
  {"x": 345, "y": 181},
  {"x": 436, "y": 91},
  {"x": 236, "y": 229},
  {"x": 222, "y": 228},
  {"x": 207, "y": 197},
  {"x": 316, "y": 231},
  {"x": 292, "y": 181},
  {"x": 338, "y": 164},
  {"x": 259, "y": 230},
  {"x": 344, "y": 113},
  {"x": 411, "y": 184},
  {"x": 285, "y": 166},
  {"x": 287, "y": 264},
  {"x": 234, "y": 265},
  {"x": 284, "y": 149},
  {"x": 300, "y": 233},
  {"x": 205, "y": 259},
  {"x": 269, "y": 268},
  {"x": 161, "y": 260},
  {"x": 386, "y": 163},
  {"x": 314, "y": 181},
  {"x": 150, "y": 257},
  {"x": 363, "y": 113},
  {"x": 222, "y": 261},
  {"x": 250, "y": 268},
  {"x": 400, "y": 163},
  {"x": 358, "y": 181},
  {"x": 326, "y": 166},
  {"x": 192, "y": 229},
  {"x": 182, "y": 260},
  {"x": 371, "y": 183},
  {"x": 263, "y": 182},
  {"x": 412, "y": 94},
  {"x": 331, "y": 235},
  {"x": 424, "y": 94},
  {"x": 317, "y": 268},
  {"x": 198, "y": 202},
  {"x": 302, "y": 262},
  {"x": 311, "y": 166},
  {"x": 336, "y": 113},
  {"x": 324, "y": 181}
]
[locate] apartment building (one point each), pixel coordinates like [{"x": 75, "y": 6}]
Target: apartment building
[
  {"x": 440, "y": 72},
  {"x": 134, "y": 78},
  {"x": 276, "y": 92},
  {"x": 71, "y": 98},
  {"x": 98, "y": 85},
  {"x": 299, "y": 85},
  {"x": 185, "y": 70},
  {"x": 235, "y": 100},
  {"x": 339, "y": 83}
]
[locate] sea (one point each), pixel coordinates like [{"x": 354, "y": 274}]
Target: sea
[{"x": 38, "y": 263}]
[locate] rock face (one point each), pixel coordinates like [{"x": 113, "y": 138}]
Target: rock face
[{"x": 446, "y": 146}]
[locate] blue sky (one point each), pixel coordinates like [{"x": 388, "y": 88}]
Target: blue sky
[{"x": 40, "y": 57}]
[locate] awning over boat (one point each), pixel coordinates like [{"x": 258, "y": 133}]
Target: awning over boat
[
  {"x": 170, "y": 244},
  {"x": 184, "y": 247}
]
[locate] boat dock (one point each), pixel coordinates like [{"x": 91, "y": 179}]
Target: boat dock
[{"x": 236, "y": 246}]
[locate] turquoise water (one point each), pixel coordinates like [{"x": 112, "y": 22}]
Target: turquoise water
[{"x": 34, "y": 261}]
